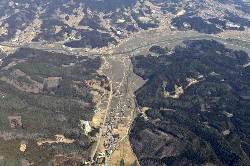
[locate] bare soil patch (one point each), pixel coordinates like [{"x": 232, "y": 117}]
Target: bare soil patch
[
  {"x": 52, "y": 81},
  {"x": 123, "y": 151},
  {"x": 13, "y": 63},
  {"x": 121, "y": 130},
  {"x": 15, "y": 121},
  {"x": 71, "y": 64},
  {"x": 58, "y": 29},
  {"x": 97, "y": 118},
  {"x": 29, "y": 86}
]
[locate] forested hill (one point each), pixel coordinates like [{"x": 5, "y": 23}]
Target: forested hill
[
  {"x": 198, "y": 101},
  {"x": 44, "y": 94}
]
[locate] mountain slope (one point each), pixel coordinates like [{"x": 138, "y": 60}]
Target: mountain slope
[{"x": 197, "y": 100}]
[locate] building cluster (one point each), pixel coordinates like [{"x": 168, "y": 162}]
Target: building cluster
[{"x": 117, "y": 116}]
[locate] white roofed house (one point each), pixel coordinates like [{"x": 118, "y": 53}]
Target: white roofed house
[{"x": 85, "y": 126}]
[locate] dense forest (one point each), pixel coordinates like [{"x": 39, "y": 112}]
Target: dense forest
[
  {"x": 195, "y": 23},
  {"x": 93, "y": 38},
  {"x": 51, "y": 94},
  {"x": 207, "y": 122}
]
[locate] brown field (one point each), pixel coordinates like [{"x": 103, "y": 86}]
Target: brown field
[
  {"x": 123, "y": 151},
  {"x": 52, "y": 81},
  {"x": 122, "y": 130},
  {"x": 97, "y": 118}
]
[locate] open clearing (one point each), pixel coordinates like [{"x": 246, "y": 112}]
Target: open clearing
[{"x": 123, "y": 151}]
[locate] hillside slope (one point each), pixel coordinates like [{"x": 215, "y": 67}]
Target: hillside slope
[{"x": 197, "y": 100}]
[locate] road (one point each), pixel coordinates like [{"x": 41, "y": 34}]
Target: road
[
  {"x": 113, "y": 77},
  {"x": 119, "y": 110},
  {"x": 136, "y": 44},
  {"x": 118, "y": 75},
  {"x": 104, "y": 120}
]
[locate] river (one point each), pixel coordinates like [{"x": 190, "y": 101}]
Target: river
[{"x": 178, "y": 39}]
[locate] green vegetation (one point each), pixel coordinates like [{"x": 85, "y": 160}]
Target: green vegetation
[
  {"x": 196, "y": 23},
  {"x": 218, "y": 102},
  {"x": 24, "y": 80},
  {"x": 92, "y": 22},
  {"x": 55, "y": 108},
  {"x": 122, "y": 162},
  {"x": 16, "y": 21},
  {"x": 93, "y": 38},
  {"x": 159, "y": 50},
  {"x": 48, "y": 30},
  {"x": 40, "y": 155},
  {"x": 10, "y": 162}
]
